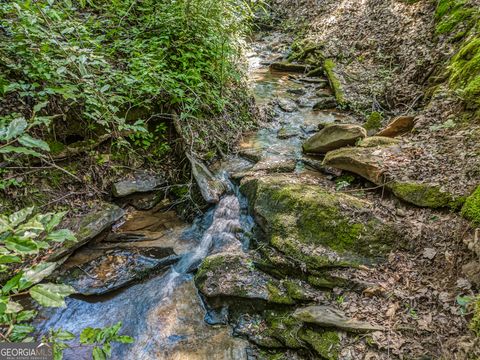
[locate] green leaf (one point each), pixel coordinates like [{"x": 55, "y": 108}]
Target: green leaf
[
  {"x": 38, "y": 272},
  {"x": 26, "y": 315},
  {"x": 65, "y": 335},
  {"x": 30, "y": 142},
  {"x": 124, "y": 339},
  {"x": 88, "y": 335},
  {"x": 15, "y": 128},
  {"x": 13, "y": 307},
  {"x": 19, "y": 150},
  {"x": 54, "y": 221},
  {"x": 20, "y": 332},
  {"x": 20, "y": 216},
  {"x": 21, "y": 246},
  {"x": 98, "y": 354},
  {"x": 61, "y": 236},
  {"x": 40, "y": 106},
  {"x": 51, "y": 295},
  {"x": 12, "y": 283},
  {"x": 9, "y": 259}
]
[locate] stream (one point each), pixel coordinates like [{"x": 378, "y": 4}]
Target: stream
[{"x": 164, "y": 313}]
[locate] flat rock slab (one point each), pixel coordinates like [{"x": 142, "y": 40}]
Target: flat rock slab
[
  {"x": 114, "y": 269},
  {"x": 398, "y": 126},
  {"x": 90, "y": 226},
  {"x": 141, "y": 182},
  {"x": 334, "y": 136},
  {"x": 326, "y": 316},
  {"x": 287, "y": 105},
  {"x": 211, "y": 187}
]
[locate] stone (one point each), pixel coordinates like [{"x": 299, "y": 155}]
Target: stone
[
  {"x": 334, "y": 136},
  {"x": 314, "y": 226},
  {"x": 327, "y": 102},
  {"x": 368, "y": 163},
  {"x": 398, "y": 126},
  {"x": 252, "y": 154},
  {"x": 285, "y": 133},
  {"x": 472, "y": 272},
  {"x": 90, "y": 226},
  {"x": 287, "y": 105},
  {"x": 234, "y": 275},
  {"x": 114, "y": 269},
  {"x": 288, "y": 67},
  {"x": 326, "y": 316},
  {"x": 210, "y": 187},
  {"x": 149, "y": 200},
  {"x": 297, "y": 91},
  {"x": 376, "y": 141},
  {"x": 325, "y": 342},
  {"x": 141, "y": 182}
]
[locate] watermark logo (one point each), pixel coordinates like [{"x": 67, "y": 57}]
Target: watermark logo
[{"x": 26, "y": 351}]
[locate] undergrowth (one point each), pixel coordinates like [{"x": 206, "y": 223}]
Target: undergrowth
[{"x": 120, "y": 66}]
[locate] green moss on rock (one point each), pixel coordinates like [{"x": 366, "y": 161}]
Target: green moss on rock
[
  {"x": 315, "y": 226},
  {"x": 471, "y": 208},
  {"x": 475, "y": 322},
  {"x": 325, "y": 343},
  {"x": 329, "y": 67},
  {"x": 425, "y": 195},
  {"x": 374, "y": 121}
]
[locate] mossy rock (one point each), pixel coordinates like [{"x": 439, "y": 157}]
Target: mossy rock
[
  {"x": 234, "y": 275},
  {"x": 317, "y": 227},
  {"x": 334, "y": 136},
  {"x": 425, "y": 195},
  {"x": 471, "y": 208},
  {"x": 374, "y": 121},
  {"x": 329, "y": 67},
  {"x": 326, "y": 343}
]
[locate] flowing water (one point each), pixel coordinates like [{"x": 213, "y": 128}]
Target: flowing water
[{"x": 164, "y": 313}]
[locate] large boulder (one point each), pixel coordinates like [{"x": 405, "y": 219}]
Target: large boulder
[
  {"x": 334, "y": 136},
  {"x": 314, "y": 226},
  {"x": 234, "y": 275}
]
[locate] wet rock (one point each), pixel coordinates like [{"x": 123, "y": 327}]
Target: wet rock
[
  {"x": 233, "y": 275},
  {"x": 399, "y": 126},
  {"x": 142, "y": 182},
  {"x": 252, "y": 154},
  {"x": 334, "y": 136},
  {"x": 269, "y": 165},
  {"x": 114, "y": 269},
  {"x": 327, "y": 102},
  {"x": 149, "y": 201},
  {"x": 89, "y": 227},
  {"x": 286, "y": 133},
  {"x": 211, "y": 188},
  {"x": 326, "y": 316},
  {"x": 288, "y": 67},
  {"x": 317, "y": 227},
  {"x": 376, "y": 141},
  {"x": 314, "y": 80},
  {"x": 287, "y": 105},
  {"x": 316, "y": 72},
  {"x": 297, "y": 91}
]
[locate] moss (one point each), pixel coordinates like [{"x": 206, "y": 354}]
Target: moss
[
  {"x": 56, "y": 147},
  {"x": 325, "y": 343},
  {"x": 471, "y": 208},
  {"x": 283, "y": 327},
  {"x": 374, "y": 121},
  {"x": 425, "y": 195},
  {"x": 277, "y": 296},
  {"x": 475, "y": 322},
  {"x": 300, "y": 217},
  {"x": 329, "y": 67},
  {"x": 375, "y": 141},
  {"x": 207, "y": 265}
]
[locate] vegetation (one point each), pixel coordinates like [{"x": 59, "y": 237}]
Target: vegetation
[{"x": 461, "y": 20}]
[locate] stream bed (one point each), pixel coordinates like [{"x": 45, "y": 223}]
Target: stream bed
[{"x": 164, "y": 313}]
